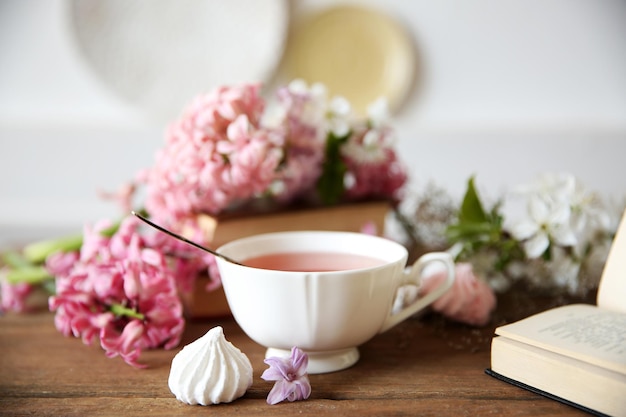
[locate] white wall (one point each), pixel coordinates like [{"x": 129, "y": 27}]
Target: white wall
[{"x": 508, "y": 89}]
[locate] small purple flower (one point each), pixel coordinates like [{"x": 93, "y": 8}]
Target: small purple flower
[{"x": 292, "y": 381}]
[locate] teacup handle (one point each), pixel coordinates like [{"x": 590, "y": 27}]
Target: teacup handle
[{"x": 413, "y": 277}]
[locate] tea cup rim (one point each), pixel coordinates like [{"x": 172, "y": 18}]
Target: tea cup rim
[{"x": 227, "y": 248}]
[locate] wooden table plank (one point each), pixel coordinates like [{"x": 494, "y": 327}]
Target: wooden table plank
[{"x": 424, "y": 366}]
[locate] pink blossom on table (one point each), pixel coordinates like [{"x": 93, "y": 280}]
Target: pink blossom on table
[
  {"x": 290, "y": 374},
  {"x": 216, "y": 155},
  {"x": 13, "y": 297},
  {"x": 225, "y": 151},
  {"x": 160, "y": 324},
  {"x": 299, "y": 175},
  {"x": 469, "y": 300},
  {"x": 21, "y": 297},
  {"x": 300, "y": 115},
  {"x": 94, "y": 241},
  {"x": 302, "y": 109},
  {"x": 374, "y": 169},
  {"x": 60, "y": 263},
  {"x": 121, "y": 291},
  {"x": 126, "y": 344},
  {"x": 77, "y": 312},
  {"x": 254, "y": 157},
  {"x": 211, "y": 114}
]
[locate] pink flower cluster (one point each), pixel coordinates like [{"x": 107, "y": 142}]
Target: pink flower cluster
[
  {"x": 373, "y": 166},
  {"x": 227, "y": 149},
  {"x": 13, "y": 297},
  {"x": 299, "y": 117},
  {"x": 215, "y": 155},
  {"x": 122, "y": 289}
]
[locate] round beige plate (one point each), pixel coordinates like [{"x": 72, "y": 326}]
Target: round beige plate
[{"x": 356, "y": 52}]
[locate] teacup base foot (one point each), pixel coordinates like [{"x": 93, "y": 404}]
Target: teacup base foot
[{"x": 322, "y": 362}]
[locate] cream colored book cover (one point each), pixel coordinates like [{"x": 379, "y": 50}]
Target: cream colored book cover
[{"x": 612, "y": 289}]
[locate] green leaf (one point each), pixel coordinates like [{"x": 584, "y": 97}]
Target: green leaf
[
  {"x": 469, "y": 230},
  {"x": 330, "y": 186},
  {"x": 475, "y": 228},
  {"x": 14, "y": 259},
  {"x": 472, "y": 210}
]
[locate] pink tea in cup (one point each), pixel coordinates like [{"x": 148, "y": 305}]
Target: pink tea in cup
[{"x": 312, "y": 261}]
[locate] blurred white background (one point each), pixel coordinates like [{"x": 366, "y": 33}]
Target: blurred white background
[{"x": 505, "y": 90}]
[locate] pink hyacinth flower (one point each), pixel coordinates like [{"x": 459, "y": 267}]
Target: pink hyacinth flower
[
  {"x": 374, "y": 170},
  {"x": 119, "y": 290},
  {"x": 215, "y": 156},
  {"x": 290, "y": 374},
  {"x": 302, "y": 112},
  {"x": 13, "y": 296}
]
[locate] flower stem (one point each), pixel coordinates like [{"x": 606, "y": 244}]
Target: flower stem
[
  {"x": 32, "y": 275},
  {"x": 38, "y": 252},
  {"x": 14, "y": 259},
  {"x": 21, "y": 270},
  {"x": 122, "y": 311}
]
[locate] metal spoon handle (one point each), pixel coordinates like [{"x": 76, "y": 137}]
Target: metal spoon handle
[{"x": 179, "y": 237}]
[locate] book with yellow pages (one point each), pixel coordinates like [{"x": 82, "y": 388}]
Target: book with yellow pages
[{"x": 576, "y": 353}]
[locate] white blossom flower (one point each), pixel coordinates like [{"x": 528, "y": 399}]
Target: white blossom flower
[
  {"x": 564, "y": 270},
  {"x": 369, "y": 148},
  {"x": 559, "y": 240},
  {"x": 378, "y": 112},
  {"x": 314, "y": 108},
  {"x": 546, "y": 223},
  {"x": 338, "y": 115}
]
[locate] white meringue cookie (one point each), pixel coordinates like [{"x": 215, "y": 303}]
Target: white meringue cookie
[{"x": 210, "y": 370}]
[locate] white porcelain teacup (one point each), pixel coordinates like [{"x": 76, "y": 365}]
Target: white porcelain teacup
[{"x": 339, "y": 296}]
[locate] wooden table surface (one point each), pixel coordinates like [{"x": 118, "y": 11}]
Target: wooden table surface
[{"x": 424, "y": 366}]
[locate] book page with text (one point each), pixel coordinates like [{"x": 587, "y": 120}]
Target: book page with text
[
  {"x": 612, "y": 289},
  {"x": 582, "y": 331}
]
